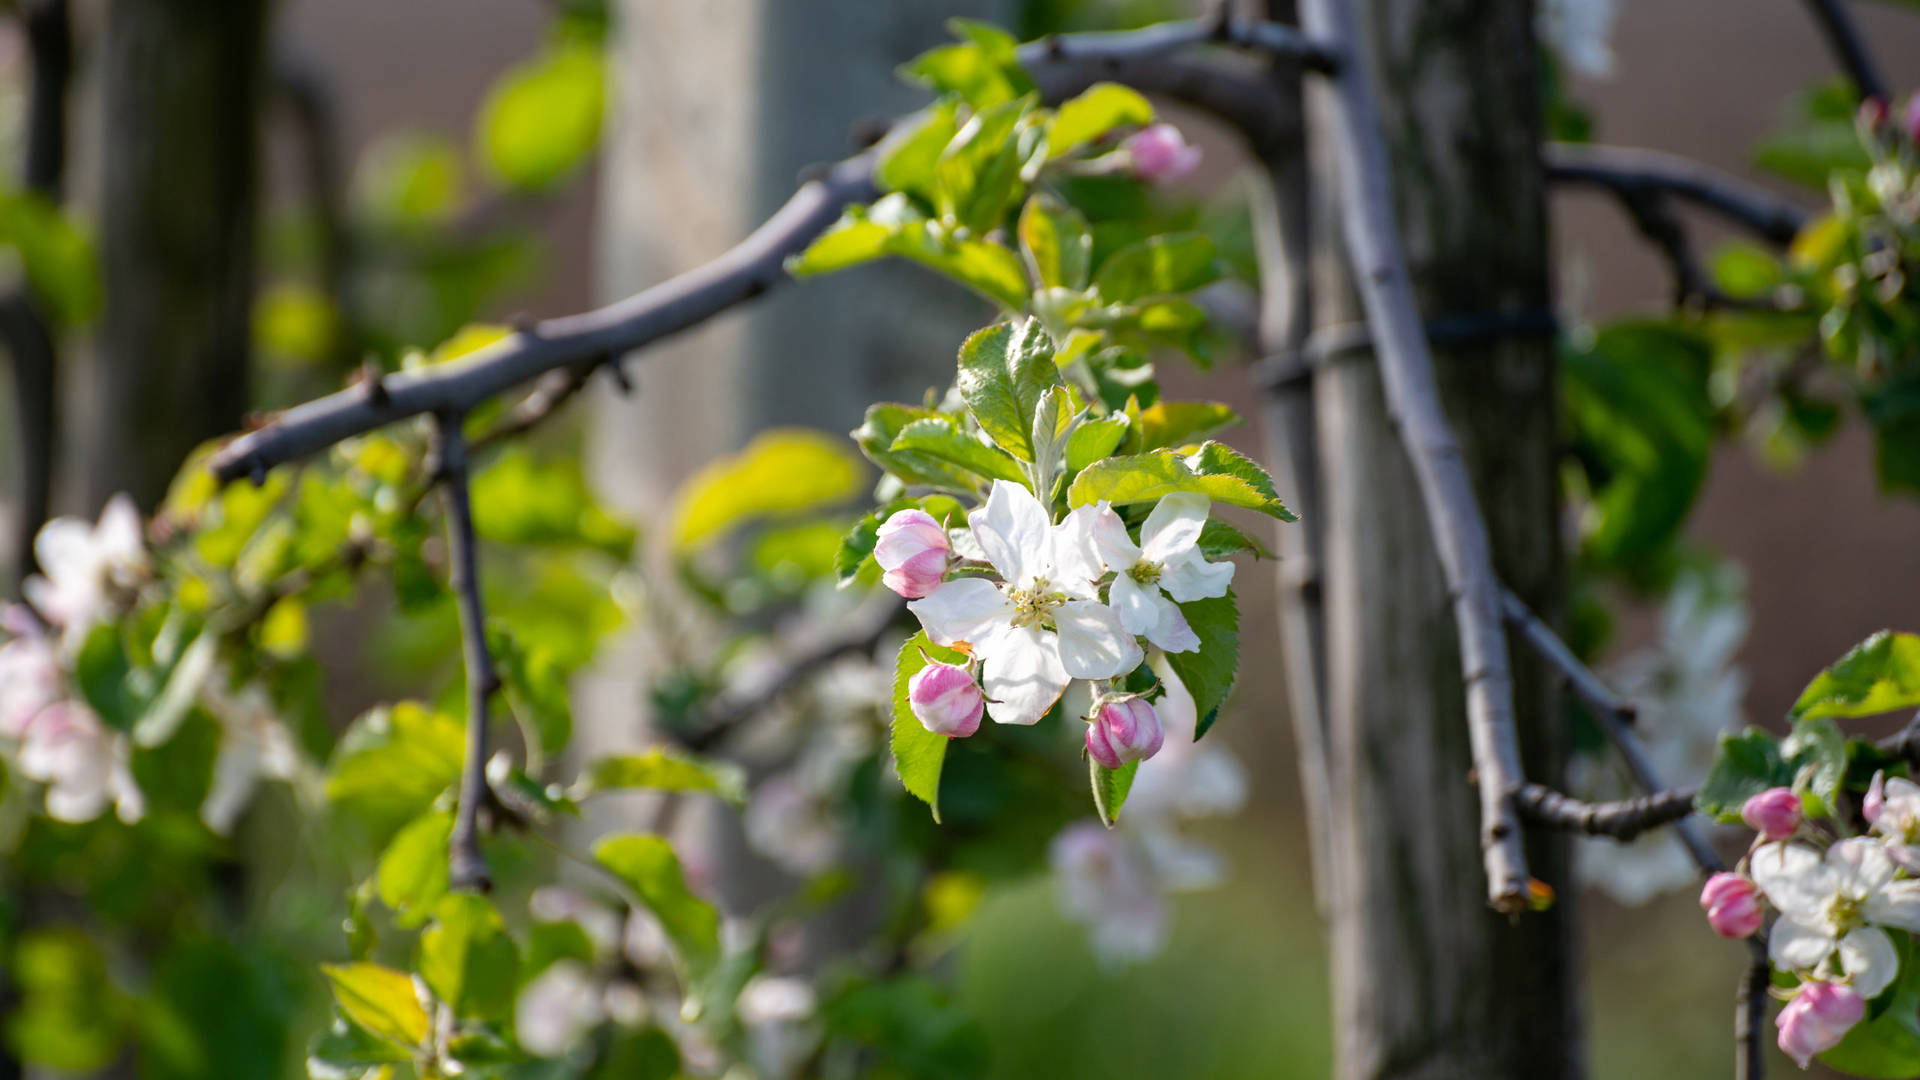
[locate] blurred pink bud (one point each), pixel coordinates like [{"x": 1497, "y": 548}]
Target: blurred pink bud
[
  {"x": 1873, "y": 113},
  {"x": 912, "y": 548},
  {"x": 1913, "y": 119},
  {"x": 1876, "y": 799},
  {"x": 1817, "y": 1019},
  {"x": 1161, "y": 154},
  {"x": 1774, "y": 813},
  {"x": 946, "y": 699},
  {"x": 1124, "y": 731},
  {"x": 1732, "y": 904}
]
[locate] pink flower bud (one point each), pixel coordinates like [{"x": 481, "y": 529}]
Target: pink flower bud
[
  {"x": 1124, "y": 731},
  {"x": 1732, "y": 904},
  {"x": 1774, "y": 813},
  {"x": 1876, "y": 799},
  {"x": 912, "y": 548},
  {"x": 1872, "y": 114},
  {"x": 1817, "y": 1019},
  {"x": 946, "y": 699},
  {"x": 1913, "y": 119},
  {"x": 1161, "y": 154}
]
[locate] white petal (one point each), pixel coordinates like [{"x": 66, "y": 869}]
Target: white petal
[
  {"x": 1093, "y": 644},
  {"x": 1795, "y": 946},
  {"x": 1074, "y": 557},
  {"x": 1022, "y": 674},
  {"x": 1013, "y": 529},
  {"x": 964, "y": 609},
  {"x": 1174, "y": 526},
  {"x": 1134, "y": 604},
  {"x": 119, "y": 538},
  {"x": 1860, "y": 865},
  {"x": 1189, "y": 577},
  {"x": 1117, "y": 549},
  {"x": 1897, "y": 904},
  {"x": 1868, "y": 957},
  {"x": 1170, "y": 630},
  {"x": 1795, "y": 879}
]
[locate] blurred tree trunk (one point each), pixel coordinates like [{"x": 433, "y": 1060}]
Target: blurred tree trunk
[
  {"x": 693, "y": 163},
  {"x": 1429, "y": 982},
  {"x": 183, "y": 83}
]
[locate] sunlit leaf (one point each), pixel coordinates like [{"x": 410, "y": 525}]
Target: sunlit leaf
[
  {"x": 381, "y": 1000},
  {"x": 1096, "y": 111},
  {"x": 1881, "y": 674},
  {"x": 541, "y": 121},
  {"x": 660, "y": 769},
  {"x": 467, "y": 959},
  {"x": 649, "y": 867},
  {"x": 779, "y": 474}
]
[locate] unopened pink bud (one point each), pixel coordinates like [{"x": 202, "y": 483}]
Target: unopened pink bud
[
  {"x": 1873, "y": 113},
  {"x": 1732, "y": 904},
  {"x": 946, "y": 699},
  {"x": 912, "y": 548},
  {"x": 1161, "y": 154},
  {"x": 1876, "y": 799},
  {"x": 1913, "y": 119},
  {"x": 1124, "y": 731},
  {"x": 1817, "y": 1018},
  {"x": 1774, "y": 813}
]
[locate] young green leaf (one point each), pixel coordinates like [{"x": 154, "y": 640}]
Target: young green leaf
[
  {"x": 1208, "y": 673},
  {"x": 1094, "y": 113},
  {"x": 780, "y": 474},
  {"x": 1094, "y": 440},
  {"x": 1216, "y": 472},
  {"x": 1219, "y": 540},
  {"x": 467, "y": 959},
  {"x": 1816, "y": 752},
  {"x": 648, "y": 866},
  {"x": 1110, "y": 787},
  {"x": 1156, "y": 266},
  {"x": 849, "y": 242},
  {"x": 1881, "y": 674},
  {"x": 1744, "y": 765},
  {"x": 542, "y": 120},
  {"x": 536, "y": 686},
  {"x": 380, "y": 1000},
  {"x": 936, "y": 436},
  {"x": 1175, "y": 423},
  {"x": 1056, "y": 242},
  {"x": 918, "y": 754},
  {"x": 909, "y": 157},
  {"x": 663, "y": 770},
  {"x": 1003, "y": 372},
  {"x": 412, "y": 874}
]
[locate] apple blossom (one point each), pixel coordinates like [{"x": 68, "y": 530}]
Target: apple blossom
[
  {"x": 1876, "y": 799},
  {"x": 1774, "y": 813},
  {"x": 912, "y": 548},
  {"x": 557, "y": 1008},
  {"x": 1836, "y": 904},
  {"x": 84, "y": 765},
  {"x": 1913, "y": 119},
  {"x": 1892, "y": 808},
  {"x": 1123, "y": 731},
  {"x": 254, "y": 745},
  {"x": 1817, "y": 1018},
  {"x": 1041, "y": 626},
  {"x": 792, "y": 826},
  {"x": 946, "y": 700},
  {"x": 1161, "y": 154},
  {"x": 1732, "y": 904},
  {"x": 30, "y": 674},
  {"x": 777, "y": 1011},
  {"x": 1107, "y": 883},
  {"x": 84, "y": 568},
  {"x": 1166, "y": 563}
]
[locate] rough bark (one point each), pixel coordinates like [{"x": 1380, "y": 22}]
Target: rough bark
[
  {"x": 182, "y": 85},
  {"x": 1429, "y": 982}
]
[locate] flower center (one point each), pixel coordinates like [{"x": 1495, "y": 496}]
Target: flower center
[
  {"x": 1144, "y": 572},
  {"x": 1843, "y": 912},
  {"x": 1033, "y": 607}
]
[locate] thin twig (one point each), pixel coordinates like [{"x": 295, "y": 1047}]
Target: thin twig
[
  {"x": 1372, "y": 236},
  {"x": 1613, "y": 713},
  {"x": 1843, "y": 37},
  {"x": 466, "y": 866},
  {"x": 1750, "y": 1014},
  {"x": 1623, "y": 820},
  {"x": 1622, "y": 169}
]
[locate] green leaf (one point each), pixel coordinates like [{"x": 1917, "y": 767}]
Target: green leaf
[
  {"x": 1816, "y": 752},
  {"x": 646, "y": 1054},
  {"x": 1003, "y": 372},
  {"x": 1744, "y": 765},
  {"x": 648, "y": 866},
  {"x": 1110, "y": 787},
  {"x": 782, "y": 473},
  {"x": 1219, "y": 540},
  {"x": 660, "y": 769},
  {"x": 983, "y": 69},
  {"x": 57, "y": 259},
  {"x": 412, "y": 874},
  {"x": 1213, "y": 471},
  {"x": 1208, "y": 673},
  {"x": 893, "y": 226},
  {"x": 1056, "y": 243},
  {"x": 1881, "y": 674},
  {"x": 348, "y": 1050},
  {"x": 851, "y": 241},
  {"x": 1175, "y": 423},
  {"x": 380, "y": 1000},
  {"x": 937, "y": 437},
  {"x": 1807, "y": 152},
  {"x": 909, "y": 157},
  {"x": 410, "y": 182},
  {"x": 536, "y": 687},
  {"x": 978, "y": 176},
  {"x": 1094, "y": 113},
  {"x": 918, "y": 754},
  {"x": 1156, "y": 266},
  {"x": 394, "y": 761},
  {"x": 1094, "y": 440},
  {"x": 884, "y": 423},
  {"x": 162, "y": 718},
  {"x": 104, "y": 672},
  {"x": 541, "y": 121},
  {"x": 520, "y": 499},
  {"x": 467, "y": 959}
]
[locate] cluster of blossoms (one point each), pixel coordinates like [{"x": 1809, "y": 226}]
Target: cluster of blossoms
[
  {"x": 1835, "y": 907},
  {"x": 1043, "y": 623},
  {"x": 88, "y": 574}
]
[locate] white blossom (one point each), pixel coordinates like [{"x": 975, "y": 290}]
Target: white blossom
[
  {"x": 777, "y": 1011},
  {"x": 557, "y": 1008},
  {"x": 85, "y": 766},
  {"x": 30, "y": 675},
  {"x": 85, "y": 568},
  {"x": 1165, "y": 567},
  {"x": 254, "y": 745},
  {"x": 1042, "y": 626},
  {"x": 1832, "y": 908},
  {"x": 1106, "y": 882},
  {"x": 792, "y": 826}
]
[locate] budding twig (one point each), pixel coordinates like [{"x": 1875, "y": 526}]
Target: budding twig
[
  {"x": 1622, "y": 820},
  {"x": 467, "y": 867},
  {"x": 1843, "y": 37},
  {"x": 1372, "y": 237}
]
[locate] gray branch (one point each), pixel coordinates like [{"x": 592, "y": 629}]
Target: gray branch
[
  {"x": 466, "y": 866},
  {"x": 1627, "y": 170},
  {"x": 1622, "y": 820},
  {"x": 1843, "y": 38}
]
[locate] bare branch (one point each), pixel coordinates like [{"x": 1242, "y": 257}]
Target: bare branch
[
  {"x": 466, "y": 866},
  {"x": 1413, "y": 400},
  {"x": 1843, "y": 38},
  {"x": 1623, "y": 820},
  {"x": 1614, "y": 714},
  {"x": 1750, "y": 1013},
  {"x": 1624, "y": 170}
]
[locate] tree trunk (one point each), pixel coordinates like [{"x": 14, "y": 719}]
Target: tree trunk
[
  {"x": 183, "y": 83},
  {"x": 1429, "y": 982}
]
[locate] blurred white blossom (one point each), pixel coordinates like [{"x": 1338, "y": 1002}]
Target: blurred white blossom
[
  {"x": 254, "y": 746},
  {"x": 557, "y": 1008},
  {"x": 1580, "y": 32},
  {"x": 84, "y": 764},
  {"x": 86, "y": 569},
  {"x": 30, "y": 674},
  {"x": 777, "y": 1011}
]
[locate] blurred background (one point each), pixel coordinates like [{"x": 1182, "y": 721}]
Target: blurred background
[{"x": 714, "y": 110}]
